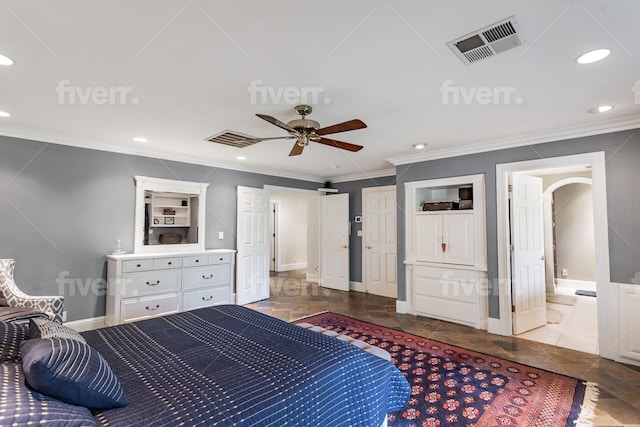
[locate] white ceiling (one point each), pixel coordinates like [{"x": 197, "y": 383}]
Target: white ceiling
[{"x": 188, "y": 66}]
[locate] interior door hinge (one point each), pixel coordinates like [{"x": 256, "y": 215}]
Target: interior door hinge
[
  {"x": 510, "y": 188},
  {"x": 513, "y": 308}
]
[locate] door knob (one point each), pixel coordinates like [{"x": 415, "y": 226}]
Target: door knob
[
  {"x": 542, "y": 258},
  {"x": 368, "y": 247},
  {"x": 444, "y": 247},
  {"x": 345, "y": 246}
]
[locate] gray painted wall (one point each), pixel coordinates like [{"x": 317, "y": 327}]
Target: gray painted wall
[
  {"x": 63, "y": 208},
  {"x": 622, "y": 150},
  {"x": 354, "y": 188}
]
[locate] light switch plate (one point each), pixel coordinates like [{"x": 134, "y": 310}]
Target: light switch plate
[
  {"x": 359, "y": 233},
  {"x": 220, "y": 235}
]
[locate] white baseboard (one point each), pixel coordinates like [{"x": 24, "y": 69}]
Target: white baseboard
[
  {"x": 312, "y": 277},
  {"x": 401, "y": 307},
  {"x": 292, "y": 266},
  {"x": 576, "y": 284},
  {"x": 357, "y": 286},
  {"x": 88, "y": 324}
]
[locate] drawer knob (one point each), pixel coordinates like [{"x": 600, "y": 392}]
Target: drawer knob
[
  {"x": 207, "y": 277},
  {"x": 207, "y": 299},
  {"x": 221, "y": 259},
  {"x": 138, "y": 265},
  {"x": 153, "y": 308},
  {"x": 197, "y": 260},
  {"x": 153, "y": 284},
  {"x": 169, "y": 263}
]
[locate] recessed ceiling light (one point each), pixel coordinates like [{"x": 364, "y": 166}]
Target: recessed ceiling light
[
  {"x": 241, "y": 158},
  {"x": 5, "y": 60},
  {"x": 333, "y": 167},
  {"x": 593, "y": 56},
  {"x": 4, "y": 114},
  {"x": 419, "y": 146},
  {"x": 601, "y": 109},
  {"x": 140, "y": 139}
]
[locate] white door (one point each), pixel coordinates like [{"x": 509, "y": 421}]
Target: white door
[
  {"x": 379, "y": 240},
  {"x": 457, "y": 238},
  {"x": 335, "y": 241},
  {"x": 252, "y": 273},
  {"x": 527, "y": 237},
  {"x": 428, "y": 237}
]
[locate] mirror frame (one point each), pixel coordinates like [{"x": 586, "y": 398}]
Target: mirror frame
[{"x": 144, "y": 184}]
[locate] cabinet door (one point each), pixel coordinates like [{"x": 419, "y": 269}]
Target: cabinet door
[
  {"x": 428, "y": 238},
  {"x": 457, "y": 230}
]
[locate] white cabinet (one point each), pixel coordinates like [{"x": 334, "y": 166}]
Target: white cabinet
[
  {"x": 170, "y": 210},
  {"x": 444, "y": 238},
  {"x": 446, "y": 249},
  {"x": 149, "y": 285}
]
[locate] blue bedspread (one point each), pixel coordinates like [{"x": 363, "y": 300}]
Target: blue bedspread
[{"x": 229, "y": 365}]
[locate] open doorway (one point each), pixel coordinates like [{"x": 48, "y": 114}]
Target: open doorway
[
  {"x": 569, "y": 260},
  {"x": 607, "y": 303},
  {"x": 294, "y": 233}
]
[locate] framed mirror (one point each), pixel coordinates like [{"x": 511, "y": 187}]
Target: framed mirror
[{"x": 169, "y": 215}]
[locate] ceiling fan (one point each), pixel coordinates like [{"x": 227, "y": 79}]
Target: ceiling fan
[{"x": 304, "y": 130}]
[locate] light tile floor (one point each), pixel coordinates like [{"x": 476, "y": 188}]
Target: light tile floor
[{"x": 578, "y": 329}]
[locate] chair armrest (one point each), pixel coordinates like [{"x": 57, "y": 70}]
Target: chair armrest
[{"x": 51, "y": 305}]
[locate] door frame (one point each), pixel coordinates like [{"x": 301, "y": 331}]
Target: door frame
[{"x": 608, "y": 328}]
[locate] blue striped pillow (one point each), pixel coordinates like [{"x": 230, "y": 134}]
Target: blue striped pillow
[
  {"x": 11, "y": 335},
  {"x": 71, "y": 371}
]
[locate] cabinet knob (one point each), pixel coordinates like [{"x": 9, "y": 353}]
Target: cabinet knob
[
  {"x": 207, "y": 299},
  {"x": 207, "y": 277},
  {"x": 138, "y": 265},
  {"x": 153, "y": 308},
  {"x": 221, "y": 259},
  {"x": 153, "y": 284},
  {"x": 169, "y": 263},
  {"x": 197, "y": 260}
]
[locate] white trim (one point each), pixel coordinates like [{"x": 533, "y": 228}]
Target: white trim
[
  {"x": 605, "y": 126},
  {"x": 401, "y": 307},
  {"x": 292, "y": 266},
  {"x": 312, "y": 277},
  {"x": 608, "y": 330},
  {"x": 280, "y": 189},
  {"x": 629, "y": 303},
  {"x": 575, "y": 284},
  {"x": 87, "y": 324},
  {"x": 363, "y": 175},
  {"x": 493, "y": 326},
  {"x": 357, "y": 286}
]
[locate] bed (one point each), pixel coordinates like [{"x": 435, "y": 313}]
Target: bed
[{"x": 229, "y": 365}]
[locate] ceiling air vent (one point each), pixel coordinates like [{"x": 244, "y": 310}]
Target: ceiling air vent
[
  {"x": 487, "y": 41},
  {"x": 234, "y": 139}
]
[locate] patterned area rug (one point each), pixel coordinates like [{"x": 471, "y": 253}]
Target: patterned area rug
[{"x": 452, "y": 386}]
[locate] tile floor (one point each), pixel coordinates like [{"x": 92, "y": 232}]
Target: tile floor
[
  {"x": 619, "y": 404},
  {"x": 578, "y": 329}
]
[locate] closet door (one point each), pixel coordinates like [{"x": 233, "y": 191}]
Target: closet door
[
  {"x": 428, "y": 237},
  {"x": 457, "y": 232}
]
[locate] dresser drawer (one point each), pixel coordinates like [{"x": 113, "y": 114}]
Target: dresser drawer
[
  {"x": 137, "y": 265},
  {"x": 165, "y": 263},
  {"x": 205, "y": 297},
  {"x": 209, "y": 275},
  {"x": 140, "y": 308},
  {"x": 220, "y": 259},
  {"x": 150, "y": 282},
  {"x": 194, "y": 261}
]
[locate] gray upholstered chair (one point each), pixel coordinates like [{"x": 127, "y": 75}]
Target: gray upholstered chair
[{"x": 11, "y": 296}]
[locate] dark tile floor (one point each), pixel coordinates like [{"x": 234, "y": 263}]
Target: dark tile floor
[{"x": 619, "y": 403}]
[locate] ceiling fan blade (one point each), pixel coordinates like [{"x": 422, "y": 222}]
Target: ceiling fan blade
[
  {"x": 339, "y": 144},
  {"x": 277, "y": 122},
  {"x": 342, "y": 127},
  {"x": 296, "y": 150}
]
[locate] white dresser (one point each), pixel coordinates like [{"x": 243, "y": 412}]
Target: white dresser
[{"x": 148, "y": 285}]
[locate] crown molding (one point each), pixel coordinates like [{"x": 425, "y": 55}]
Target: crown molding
[
  {"x": 608, "y": 126},
  {"x": 138, "y": 150},
  {"x": 363, "y": 175}
]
